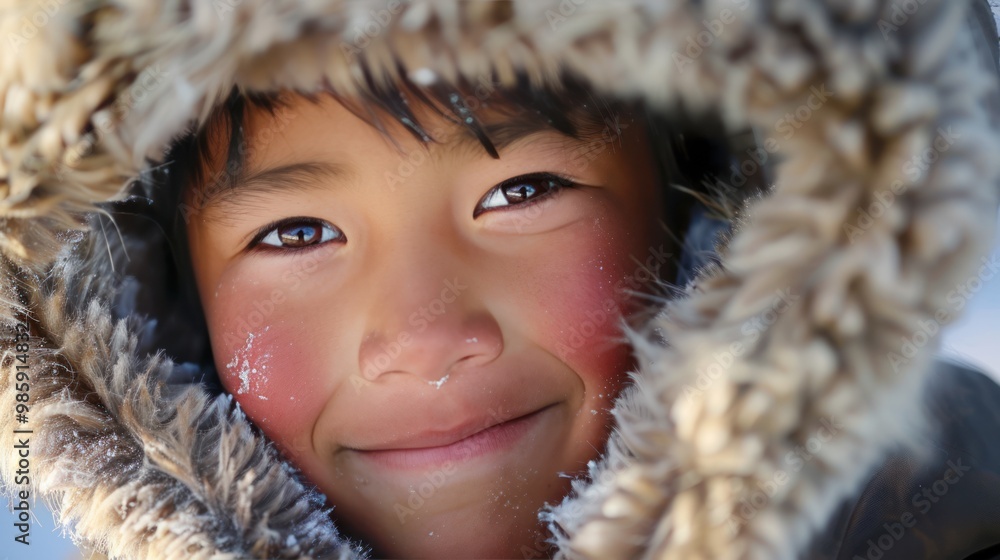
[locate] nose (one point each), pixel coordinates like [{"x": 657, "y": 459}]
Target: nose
[{"x": 429, "y": 332}]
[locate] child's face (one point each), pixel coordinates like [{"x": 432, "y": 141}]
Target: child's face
[{"x": 430, "y": 352}]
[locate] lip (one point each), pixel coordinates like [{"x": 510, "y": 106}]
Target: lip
[{"x": 454, "y": 446}]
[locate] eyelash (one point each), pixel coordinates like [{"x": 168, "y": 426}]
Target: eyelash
[
  {"x": 556, "y": 184},
  {"x": 256, "y": 243}
]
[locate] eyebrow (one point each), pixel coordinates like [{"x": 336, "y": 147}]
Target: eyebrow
[{"x": 233, "y": 191}]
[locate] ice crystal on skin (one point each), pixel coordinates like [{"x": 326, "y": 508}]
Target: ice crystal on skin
[
  {"x": 241, "y": 360},
  {"x": 437, "y": 384}
]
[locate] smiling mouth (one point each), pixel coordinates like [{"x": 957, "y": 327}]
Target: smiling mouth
[{"x": 488, "y": 441}]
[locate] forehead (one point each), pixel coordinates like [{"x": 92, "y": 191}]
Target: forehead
[{"x": 238, "y": 140}]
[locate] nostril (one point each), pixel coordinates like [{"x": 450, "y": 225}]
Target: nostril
[
  {"x": 465, "y": 360},
  {"x": 473, "y": 359},
  {"x": 453, "y": 340}
]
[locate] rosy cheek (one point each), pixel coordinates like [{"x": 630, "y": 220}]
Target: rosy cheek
[
  {"x": 590, "y": 337},
  {"x": 587, "y": 306},
  {"x": 272, "y": 376}
]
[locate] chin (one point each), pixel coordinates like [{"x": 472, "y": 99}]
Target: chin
[
  {"x": 496, "y": 534},
  {"x": 489, "y": 518},
  {"x": 484, "y": 506}
]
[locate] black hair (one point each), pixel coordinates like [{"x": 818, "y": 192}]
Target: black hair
[{"x": 568, "y": 108}]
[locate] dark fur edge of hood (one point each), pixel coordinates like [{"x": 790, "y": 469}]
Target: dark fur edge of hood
[{"x": 679, "y": 461}]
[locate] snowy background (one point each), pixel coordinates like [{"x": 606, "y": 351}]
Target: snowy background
[{"x": 973, "y": 339}]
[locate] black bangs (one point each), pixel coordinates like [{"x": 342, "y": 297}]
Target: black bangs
[{"x": 570, "y": 109}]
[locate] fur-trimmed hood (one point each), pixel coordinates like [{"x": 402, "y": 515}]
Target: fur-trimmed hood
[{"x": 885, "y": 200}]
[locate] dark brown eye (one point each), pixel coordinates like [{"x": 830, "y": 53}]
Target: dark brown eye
[
  {"x": 520, "y": 190},
  {"x": 298, "y": 233}
]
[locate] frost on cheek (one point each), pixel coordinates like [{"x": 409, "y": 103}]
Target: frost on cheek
[
  {"x": 437, "y": 384},
  {"x": 249, "y": 366}
]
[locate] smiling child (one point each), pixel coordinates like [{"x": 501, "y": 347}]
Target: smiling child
[
  {"x": 447, "y": 356},
  {"x": 511, "y": 279}
]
